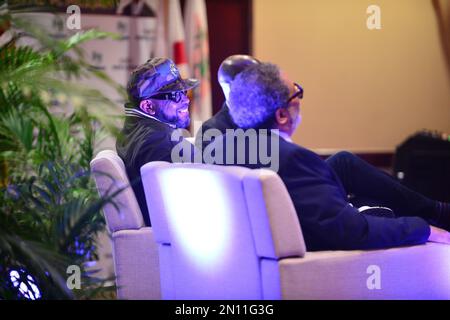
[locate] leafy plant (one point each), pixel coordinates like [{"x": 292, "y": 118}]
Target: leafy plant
[{"x": 50, "y": 212}]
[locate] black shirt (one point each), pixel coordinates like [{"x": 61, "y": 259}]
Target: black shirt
[
  {"x": 144, "y": 140},
  {"x": 221, "y": 121}
]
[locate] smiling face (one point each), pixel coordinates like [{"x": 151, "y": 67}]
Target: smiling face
[
  {"x": 169, "y": 111},
  {"x": 176, "y": 113}
]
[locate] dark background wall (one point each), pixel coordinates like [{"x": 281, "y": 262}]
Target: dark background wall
[{"x": 230, "y": 32}]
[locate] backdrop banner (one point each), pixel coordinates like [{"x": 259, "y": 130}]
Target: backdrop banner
[{"x": 116, "y": 57}]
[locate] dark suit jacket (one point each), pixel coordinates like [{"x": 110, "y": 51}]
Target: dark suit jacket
[
  {"x": 327, "y": 220},
  {"x": 143, "y": 140},
  {"x": 220, "y": 121}
]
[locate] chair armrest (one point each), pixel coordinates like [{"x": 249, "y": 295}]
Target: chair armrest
[
  {"x": 136, "y": 264},
  {"x": 416, "y": 272}
]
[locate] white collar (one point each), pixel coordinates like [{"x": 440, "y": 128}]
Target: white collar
[
  {"x": 282, "y": 134},
  {"x": 132, "y": 112}
]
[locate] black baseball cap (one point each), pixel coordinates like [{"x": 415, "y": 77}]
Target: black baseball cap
[{"x": 157, "y": 75}]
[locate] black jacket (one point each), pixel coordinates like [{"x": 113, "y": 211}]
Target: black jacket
[
  {"x": 143, "y": 140},
  {"x": 327, "y": 219},
  {"x": 220, "y": 121}
]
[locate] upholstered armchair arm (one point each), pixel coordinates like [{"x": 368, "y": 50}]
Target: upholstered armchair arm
[{"x": 136, "y": 264}]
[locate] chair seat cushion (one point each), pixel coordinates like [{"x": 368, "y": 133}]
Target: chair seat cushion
[{"x": 417, "y": 272}]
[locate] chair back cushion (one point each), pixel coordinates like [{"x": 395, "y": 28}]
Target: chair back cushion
[
  {"x": 214, "y": 225},
  {"x": 110, "y": 176}
]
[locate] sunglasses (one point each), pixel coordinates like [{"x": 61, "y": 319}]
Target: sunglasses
[
  {"x": 298, "y": 93},
  {"x": 176, "y": 96}
]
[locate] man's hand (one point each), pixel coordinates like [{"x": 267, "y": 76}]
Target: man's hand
[{"x": 439, "y": 235}]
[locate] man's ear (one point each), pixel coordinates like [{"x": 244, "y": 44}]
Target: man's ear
[
  {"x": 148, "y": 106},
  {"x": 282, "y": 116}
]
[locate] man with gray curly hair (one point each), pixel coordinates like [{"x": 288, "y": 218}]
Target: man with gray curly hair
[
  {"x": 264, "y": 99},
  {"x": 267, "y": 96}
]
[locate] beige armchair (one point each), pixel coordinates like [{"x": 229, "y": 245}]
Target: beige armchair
[
  {"x": 233, "y": 233},
  {"x": 135, "y": 253}
]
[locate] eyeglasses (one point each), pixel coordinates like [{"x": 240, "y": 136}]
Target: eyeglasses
[
  {"x": 298, "y": 93},
  {"x": 176, "y": 96}
]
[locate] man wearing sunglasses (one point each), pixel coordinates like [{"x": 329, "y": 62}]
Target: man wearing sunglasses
[
  {"x": 265, "y": 100},
  {"x": 158, "y": 104}
]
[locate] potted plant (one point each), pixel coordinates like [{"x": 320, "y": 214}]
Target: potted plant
[{"x": 50, "y": 211}]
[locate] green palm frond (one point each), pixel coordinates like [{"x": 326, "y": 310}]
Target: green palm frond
[
  {"x": 13, "y": 58},
  {"x": 18, "y": 130},
  {"x": 10, "y": 96},
  {"x": 81, "y": 37},
  {"x": 23, "y": 64}
]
